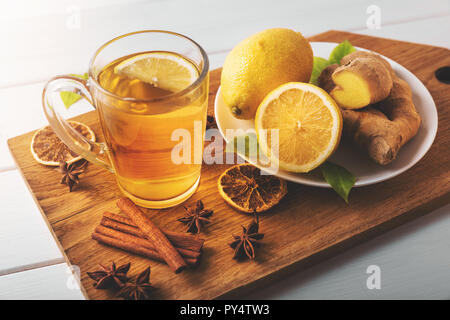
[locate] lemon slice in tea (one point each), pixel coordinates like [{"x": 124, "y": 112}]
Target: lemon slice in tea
[
  {"x": 246, "y": 189},
  {"x": 161, "y": 69},
  {"x": 49, "y": 150},
  {"x": 308, "y": 122}
]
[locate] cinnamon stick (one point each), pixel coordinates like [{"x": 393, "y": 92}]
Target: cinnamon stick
[
  {"x": 130, "y": 247},
  {"x": 142, "y": 242},
  {"x": 154, "y": 234},
  {"x": 181, "y": 240}
]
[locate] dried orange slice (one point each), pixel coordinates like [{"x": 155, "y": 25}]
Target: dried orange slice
[
  {"x": 49, "y": 150},
  {"x": 246, "y": 189}
]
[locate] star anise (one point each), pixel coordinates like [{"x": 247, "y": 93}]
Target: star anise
[
  {"x": 138, "y": 290},
  {"x": 196, "y": 217},
  {"x": 210, "y": 122},
  {"x": 111, "y": 277},
  {"x": 71, "y": 172},
  {"x": 244, "y": 245}
]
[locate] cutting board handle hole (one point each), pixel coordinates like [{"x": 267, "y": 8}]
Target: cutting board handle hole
[{"x": 443, "y": 74}]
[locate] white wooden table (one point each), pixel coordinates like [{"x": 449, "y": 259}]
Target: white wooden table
[{"x": 48, "y": 37}]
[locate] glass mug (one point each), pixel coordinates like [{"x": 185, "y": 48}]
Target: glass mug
[{"x": 139, "y": 132}]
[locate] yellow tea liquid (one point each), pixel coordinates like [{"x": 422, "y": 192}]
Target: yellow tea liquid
[{"x": 139, "y": 135}]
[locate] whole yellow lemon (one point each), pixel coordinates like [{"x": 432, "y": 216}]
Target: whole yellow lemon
[{"x": 260, "y": 64}]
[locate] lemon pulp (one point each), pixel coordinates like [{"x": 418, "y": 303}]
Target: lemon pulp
[
  {"x": 163, "y": 70},
  {"x": 308, "y": 123}
]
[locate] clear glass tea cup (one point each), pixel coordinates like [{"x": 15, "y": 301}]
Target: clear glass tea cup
[{"x": 153, "y": 145}]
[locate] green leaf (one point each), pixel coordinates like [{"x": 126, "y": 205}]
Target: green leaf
[
  {"x": 83, "y": 76},
  {"x": 69, "y": 97},
  {"x": 340, "y": 51},
  {"x": 318, "y": 66},
  {"x": 339, "y": 178},
  {"x": 246, "y": 145}
]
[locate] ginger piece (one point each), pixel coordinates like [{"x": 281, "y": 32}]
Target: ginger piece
[
  {"x": 362, "y": 79},
  {"x": 324, "y": 80},
  {"x": 380, "y": 129}
]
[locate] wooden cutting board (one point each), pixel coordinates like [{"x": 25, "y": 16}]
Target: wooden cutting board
[{"x": 309, "y": 225}]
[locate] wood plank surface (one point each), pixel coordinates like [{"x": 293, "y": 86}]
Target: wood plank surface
[
  {"x": 28, "y": 285},
  {"x": 60, "y": 46},
  {"x": 37, "y": 246},
  {"x": 310, "y": 223}
]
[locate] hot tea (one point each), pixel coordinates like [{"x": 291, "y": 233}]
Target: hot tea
[{"x": 141, "y": 134}]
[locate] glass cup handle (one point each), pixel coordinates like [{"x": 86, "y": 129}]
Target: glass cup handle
[{"x": 72, "y": 138}]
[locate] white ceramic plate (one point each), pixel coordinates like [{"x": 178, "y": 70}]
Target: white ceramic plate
[{"x": 366, "y": 171}]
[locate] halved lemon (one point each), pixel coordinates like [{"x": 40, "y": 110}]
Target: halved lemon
[
  {"x": 308, "y": 123},
  {"x": 161, "y": 69}
]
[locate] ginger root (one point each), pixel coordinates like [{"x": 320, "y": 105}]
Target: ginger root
[
  {"x": 382, "y": 128},
  {"x": 362, "y": 79}
]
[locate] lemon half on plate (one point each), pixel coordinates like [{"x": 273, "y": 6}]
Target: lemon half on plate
[
  {"x": 306, "y": 120},
  {"x": 164, "y": 70}
]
